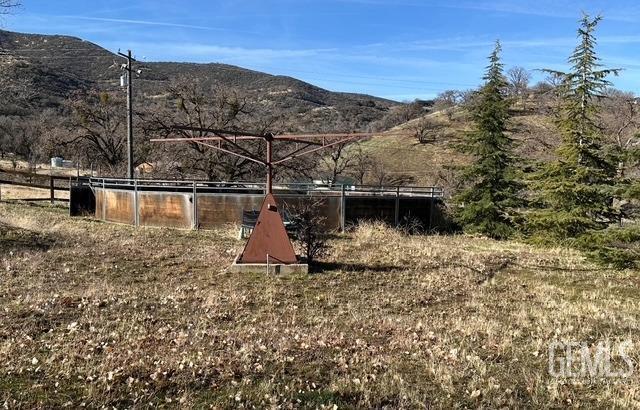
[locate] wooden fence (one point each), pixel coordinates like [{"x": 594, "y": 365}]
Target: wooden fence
[{"x": 50, "y": 183}]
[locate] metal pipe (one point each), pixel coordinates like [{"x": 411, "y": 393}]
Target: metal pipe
[{"x": 269, "y": 167}]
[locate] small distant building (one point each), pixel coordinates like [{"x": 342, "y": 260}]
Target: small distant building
[{"x": 59, "y": 162}]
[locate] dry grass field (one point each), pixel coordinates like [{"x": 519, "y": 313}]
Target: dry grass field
[{"x": 100, "y": 315}]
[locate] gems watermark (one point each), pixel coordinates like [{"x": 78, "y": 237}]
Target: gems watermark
[{"x": 602, "y": 359}]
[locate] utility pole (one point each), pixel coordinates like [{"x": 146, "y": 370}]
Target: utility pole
[{"x": 129, "y": 76}]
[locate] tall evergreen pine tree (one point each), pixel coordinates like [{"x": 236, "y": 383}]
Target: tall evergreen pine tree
[
  {"x": 573, "y": 195},
  {"x": 491, "y": 191}
]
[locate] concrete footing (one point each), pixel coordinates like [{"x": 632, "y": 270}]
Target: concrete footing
[{"x": 271, "y": 268}]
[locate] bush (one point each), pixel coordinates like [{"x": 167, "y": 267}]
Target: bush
[{"x": 308, "y": 229}]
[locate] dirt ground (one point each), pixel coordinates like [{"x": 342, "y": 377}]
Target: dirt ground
[{"x": 104, "y": 315}]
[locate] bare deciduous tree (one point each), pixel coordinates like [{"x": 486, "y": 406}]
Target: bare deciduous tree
[
  {"x": 193, "y": 104},
  {"x": 519, "y": 78},
  {"x": 446, "y": 102},
  {"x": 427, "y": 130},
  {"x": 362, "y": 165},
  {"x": 381, "y": 176},
  {"x": 620, "y": 118},
  {"x": 98, "y": 125},
  {"x": 27, "y": 136},
  {"x": 338, "y": 161}
]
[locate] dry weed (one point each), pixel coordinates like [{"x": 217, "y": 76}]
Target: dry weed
[{"x": 109, "y": 315}]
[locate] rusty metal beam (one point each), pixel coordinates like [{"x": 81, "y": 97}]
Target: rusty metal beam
[
  {"x": 217, "y": 131},
  {"x": 290, "y": 157},
  {"x": 199, "y": 140},
  {"x": 296, "y": 151},
  {"x": 195, "y": 139},
  {"x": 219, "y": 136},
  {"x": 231, "y": 152}
]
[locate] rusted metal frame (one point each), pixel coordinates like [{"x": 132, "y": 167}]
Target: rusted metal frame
[
  {"x": 218, "y": 132},
  {"x": 294, "y": 152},
  {"x": 234, "y": 144},
  {"x": 218, "y": 138},
  {"x": 269, "y": 164},
  {"x": 316, "y": 136},
  {"x": 194, "y": 139},
  {"x": 312, "y": 143},
  {"x": 231, "y": 152},
  {"x": 248, "y": 136},
  {"x": 290, "y": 157},
  {"x": 298, "y": 141}
]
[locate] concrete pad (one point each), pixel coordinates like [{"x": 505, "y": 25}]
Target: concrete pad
[{"x": 273, "y": 268}]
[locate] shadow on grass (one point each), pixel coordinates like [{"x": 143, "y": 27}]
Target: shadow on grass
[
  {"x": 13, "y": 239},
  {"x": 321, "y": 267}
]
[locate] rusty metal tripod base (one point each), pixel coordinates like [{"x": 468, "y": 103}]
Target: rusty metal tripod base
[{"x": 269, "y": 242}]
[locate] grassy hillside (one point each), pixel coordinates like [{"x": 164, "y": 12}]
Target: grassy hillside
[
  {"x": 429, "y": 162},
  {"x": 108, "y": 315}
]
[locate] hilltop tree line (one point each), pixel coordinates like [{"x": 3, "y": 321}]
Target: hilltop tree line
[{"x": 579, "y": 197}]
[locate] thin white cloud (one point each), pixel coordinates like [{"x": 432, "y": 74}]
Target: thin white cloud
[
  {"x": 143, "y": 22},
  {"x": 207, "y": 52}
]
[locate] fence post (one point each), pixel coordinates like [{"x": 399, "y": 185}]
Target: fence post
[
  {"x": 70, "y": 196},
  {"x": 397, "y": 207},
  {"x": 136, "y": 216},
  {"x": 104, "y": 202},
  {"x": 343, "y": 205},
  {"x": 195, "y": 205},
  {"x": 52, "y": 191},
  {"x": 431, "y": 204}
]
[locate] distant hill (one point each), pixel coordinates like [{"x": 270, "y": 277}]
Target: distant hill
[{"x": 55, "y": 66}]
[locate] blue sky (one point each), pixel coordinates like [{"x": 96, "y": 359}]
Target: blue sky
[{"x": 401, "y": 49}]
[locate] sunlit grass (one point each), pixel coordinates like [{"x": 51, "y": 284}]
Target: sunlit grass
[{"x": 111, "y": 315}]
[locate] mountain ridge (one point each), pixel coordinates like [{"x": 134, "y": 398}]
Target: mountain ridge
[{"x": 71, "y": 63}]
